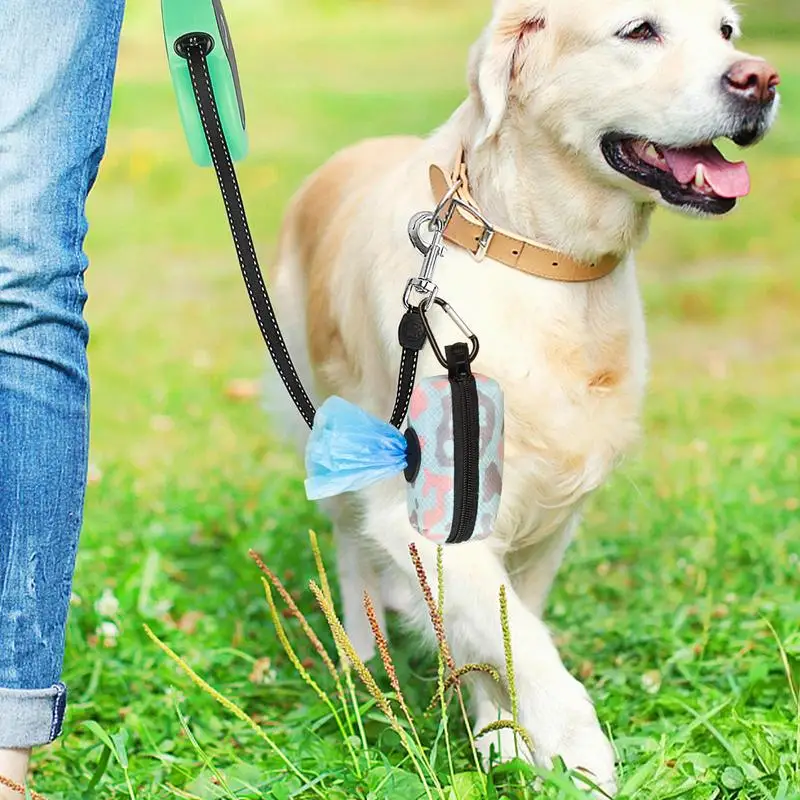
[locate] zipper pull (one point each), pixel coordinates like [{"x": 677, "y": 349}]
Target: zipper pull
[{"x": 458, "y": 361}]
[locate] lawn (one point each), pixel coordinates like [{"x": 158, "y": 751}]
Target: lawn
[{"x": 680, "y": 603}]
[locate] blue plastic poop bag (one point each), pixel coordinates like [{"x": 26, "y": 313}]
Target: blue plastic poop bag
[{"x": 350, "y": 449}]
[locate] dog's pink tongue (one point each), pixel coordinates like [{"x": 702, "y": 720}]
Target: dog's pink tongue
[{"x": 725, "y": 178}]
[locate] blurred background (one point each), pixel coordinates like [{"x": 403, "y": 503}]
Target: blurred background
[{"x": 186, "y": 476}]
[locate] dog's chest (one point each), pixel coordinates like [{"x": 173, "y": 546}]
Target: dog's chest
[
  {"x": 573, "y": 377},
  {"x": 558, "y": 451}
]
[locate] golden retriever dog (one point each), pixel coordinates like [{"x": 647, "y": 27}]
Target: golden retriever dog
[{"x": 581, "y": 118}]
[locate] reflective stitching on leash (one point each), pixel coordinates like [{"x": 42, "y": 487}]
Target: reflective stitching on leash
[{"x": 261, "y": 324}]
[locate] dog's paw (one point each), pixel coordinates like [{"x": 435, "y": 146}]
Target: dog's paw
[
  {"x": 563, "y": 723},
  {"x": 590, "y": 753}
]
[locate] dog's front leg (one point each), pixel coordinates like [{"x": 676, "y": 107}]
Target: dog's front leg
[
  {"x": 553, "y": 706},
  {"x": 357, "y": 575},
  {"x": 533, "y": 570}
]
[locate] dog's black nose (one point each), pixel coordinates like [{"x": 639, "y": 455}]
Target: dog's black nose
[{"x": 753, "y": 80}]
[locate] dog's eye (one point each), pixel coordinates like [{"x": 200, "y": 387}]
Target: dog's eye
[
  {"x": 644, "y": 32},
  {"x": 727, "y": 31}
]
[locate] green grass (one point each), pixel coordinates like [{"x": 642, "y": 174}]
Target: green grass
[{"x": 687, "y": 562}]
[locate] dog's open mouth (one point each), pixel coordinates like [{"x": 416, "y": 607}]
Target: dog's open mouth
[{"x": 698, "y": 178}]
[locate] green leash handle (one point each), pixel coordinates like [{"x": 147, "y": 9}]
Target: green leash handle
[{"x": 203, "y": 21}]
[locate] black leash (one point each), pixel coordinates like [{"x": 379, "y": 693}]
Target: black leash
[{"x": 412, "y": 335}]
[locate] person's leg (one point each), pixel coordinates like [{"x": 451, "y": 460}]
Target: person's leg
[
  {"x": 56, "y": 70},
  {"x": 14, "y": 768}
]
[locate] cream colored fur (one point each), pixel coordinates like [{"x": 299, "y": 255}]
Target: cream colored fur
[{"x": 571, "y": 358}]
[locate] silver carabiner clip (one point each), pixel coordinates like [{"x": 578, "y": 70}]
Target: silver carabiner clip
[{"x": 460, "y": 324}]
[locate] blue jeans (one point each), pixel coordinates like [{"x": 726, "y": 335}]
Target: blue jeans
[{"x": 57, "y": 61}]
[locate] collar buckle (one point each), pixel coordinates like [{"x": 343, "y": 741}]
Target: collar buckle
[{"x": 483, "y": 242}]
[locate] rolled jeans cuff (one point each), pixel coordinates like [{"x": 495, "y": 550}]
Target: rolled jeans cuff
[{"x": 31, "y": 717}]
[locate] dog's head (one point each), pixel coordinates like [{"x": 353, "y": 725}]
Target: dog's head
[{"x": 637, "y": 90}]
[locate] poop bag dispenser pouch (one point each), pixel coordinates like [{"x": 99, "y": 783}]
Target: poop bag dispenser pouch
[
  {"x": 451, "y": 454},
  {"x": 455, "y": 468}
]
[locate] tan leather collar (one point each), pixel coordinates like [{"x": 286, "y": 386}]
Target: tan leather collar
[{"x": 468, "y": 228}]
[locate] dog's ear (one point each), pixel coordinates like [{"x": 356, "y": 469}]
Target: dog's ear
[{"x": 497, "y": 59}]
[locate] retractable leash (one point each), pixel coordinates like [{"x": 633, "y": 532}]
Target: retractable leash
[{"x": 452, "y": 452}]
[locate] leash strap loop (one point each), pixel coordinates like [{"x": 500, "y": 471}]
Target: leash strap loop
[{"x": 412, "y": 336}]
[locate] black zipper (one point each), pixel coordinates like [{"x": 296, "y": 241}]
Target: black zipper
[{"x": 466, "y": 443}]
